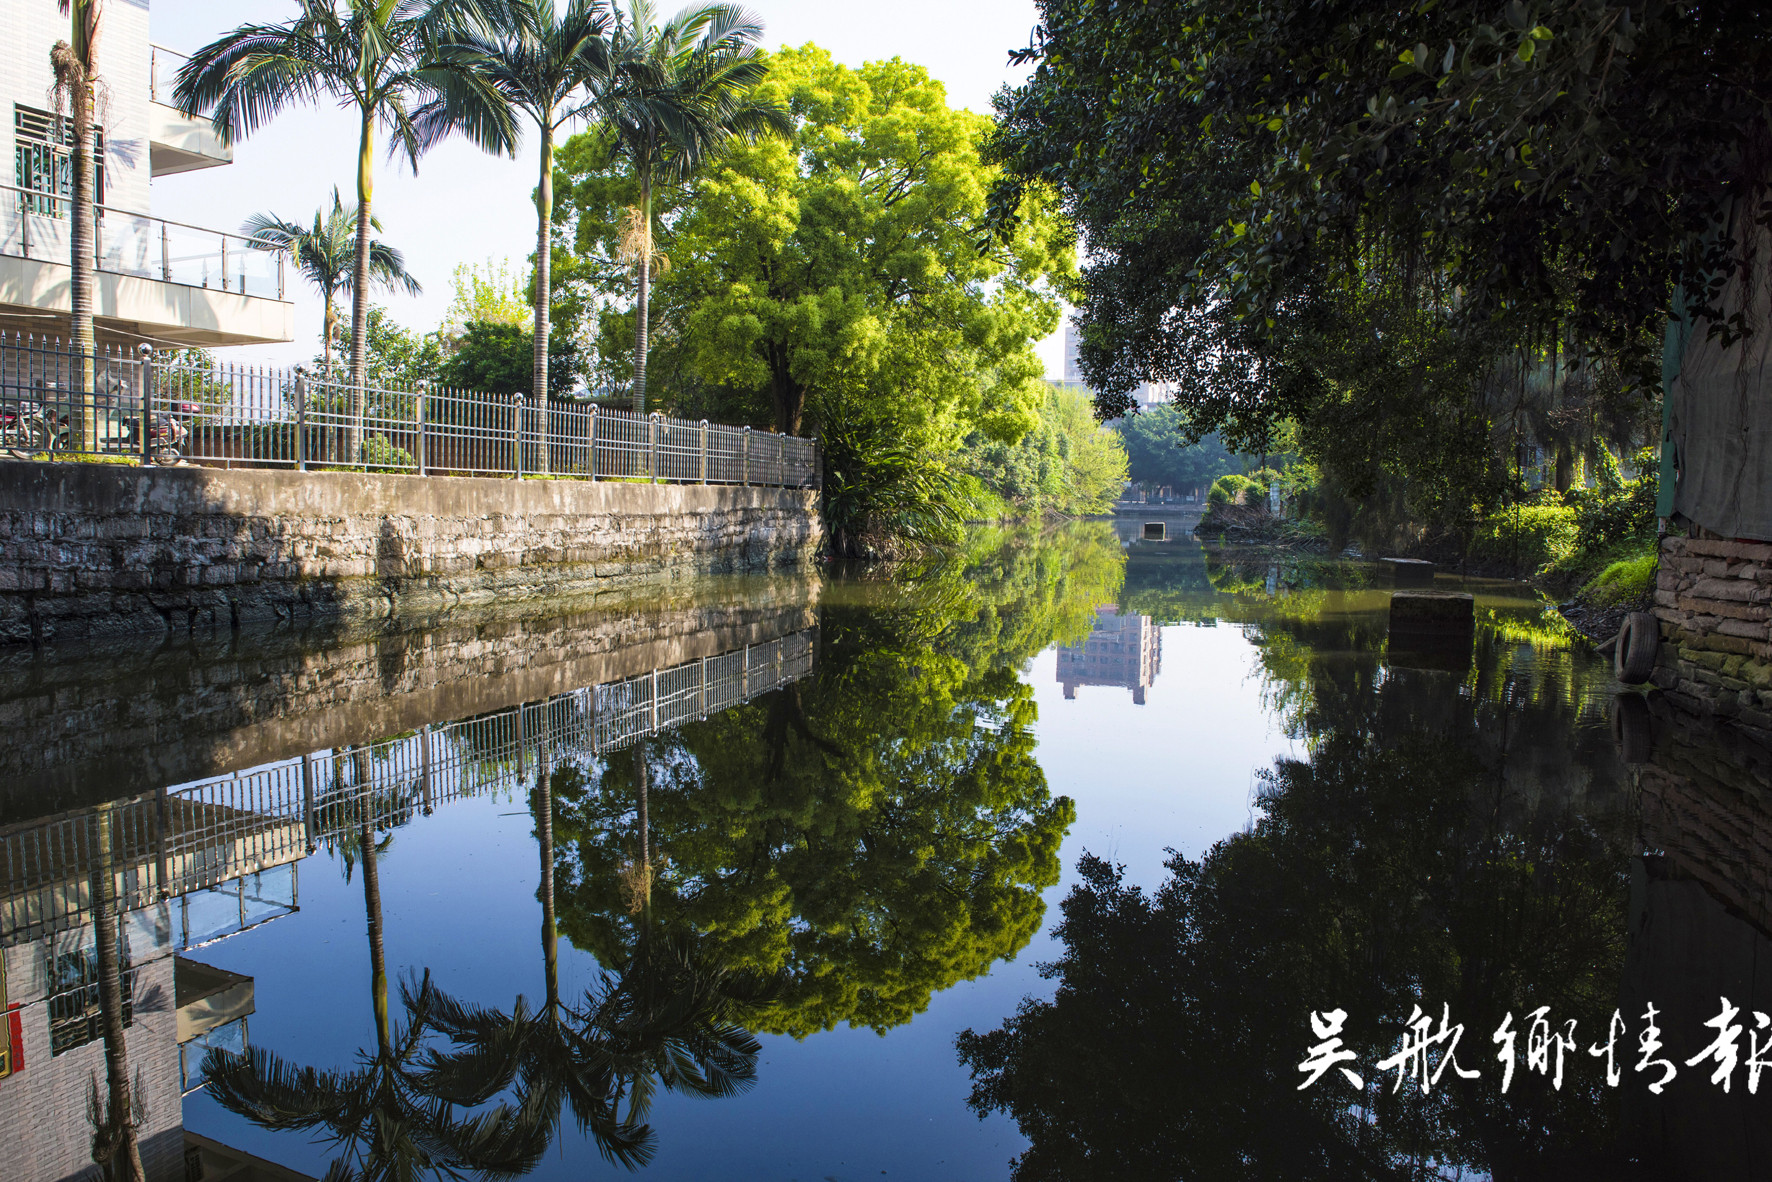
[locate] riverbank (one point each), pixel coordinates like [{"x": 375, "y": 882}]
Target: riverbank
[{"x": 92, "y": 550}]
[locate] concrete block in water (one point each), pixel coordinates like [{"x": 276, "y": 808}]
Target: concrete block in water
[
  {"x": 1431, "y": 630},
  {"x": 1408, "y": 572},
  {"x": 1433, "y": 611}
]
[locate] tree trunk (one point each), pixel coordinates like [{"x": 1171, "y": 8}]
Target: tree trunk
[
  {"x": 544, "y": 837},
  {"x": 82, "y": 217},
  {"x": 360, "y": 289},
  {"x": 544, "y": 233},
  {"x": 378, "y": 966},
  {"x": 125, "y": 1162},
  {"x": 640, "y": 313},
  {"x": 645, "y": 830}
]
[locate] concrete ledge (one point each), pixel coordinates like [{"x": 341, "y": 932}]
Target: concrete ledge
[{"x": 102, "y": 549}]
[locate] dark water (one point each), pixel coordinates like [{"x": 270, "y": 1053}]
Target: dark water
[{"x": 1207, "y": 789}]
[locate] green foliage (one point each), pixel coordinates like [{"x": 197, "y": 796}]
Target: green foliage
[
  {"x": 380, "y": 455},
  {"x": 399, "y": 358},
  {"x": 1388, "y": 227},
  {"x": 1526, "y": 537},
  {"x": 1158, "y": 452},
  {"x": 1234, "y": 488},
  {"x": 1625, "y": 581},
  {"x": 881, "y": 491},
  {"x": 1615, "y": 509},
  {"x": 497, "y": 297},
  {"x": 499, "y": 358},
  {"x": 1067, "y": 464}
]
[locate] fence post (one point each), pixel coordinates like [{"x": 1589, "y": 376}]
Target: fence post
[
  {"x": 591, "y": 441},
  {"x": 307, "y": 801},
  {"x": 652, "y": 421},
  {"x": 301, "y": 418},
  {"x": 146, "y": 352},
  {"x": 747, "y": 455},
  {"x": 421, "y": 397},
  {"x": 517, "y": 433},
  {"x": 704, "y": 452}
]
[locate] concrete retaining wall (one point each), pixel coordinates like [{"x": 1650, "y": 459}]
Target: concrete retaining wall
[
  {"x": 1714, "y": 601},
  {"x": 98, "y": 549}
]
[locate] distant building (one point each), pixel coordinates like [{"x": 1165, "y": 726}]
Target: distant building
[
  {"x": 1145, "y": 396},
  {"x": 154, "y": 280},
  {"x": 1121, "y": 650}
]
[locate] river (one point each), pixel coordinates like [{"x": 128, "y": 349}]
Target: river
[{"x": 1059, "y": 855}]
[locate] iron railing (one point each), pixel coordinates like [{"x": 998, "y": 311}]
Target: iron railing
[
  {"x": 199, "y": 836},
  {"x": 55, "y": 401}
]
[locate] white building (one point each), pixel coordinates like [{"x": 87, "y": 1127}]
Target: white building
[
  {"x": 157, "y": 281},
  {"x": 1147, "y": 395}
]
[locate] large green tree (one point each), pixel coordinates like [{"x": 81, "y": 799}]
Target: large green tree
[
  {"x": 846, "y": 260},
  {"x": 1445, "y": 219},
  {"x": 1158, "y": 451}
]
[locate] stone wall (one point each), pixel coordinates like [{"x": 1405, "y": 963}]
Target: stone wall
[
  {"x": 99, "y": 549},
  {"x": 1714, "y": 601}
]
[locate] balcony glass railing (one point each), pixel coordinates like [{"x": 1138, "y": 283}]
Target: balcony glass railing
[
  {"x": 163, "y": 67},
  {"x": 34, "y": 225}
]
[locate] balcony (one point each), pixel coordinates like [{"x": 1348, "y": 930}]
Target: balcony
[
  {"x": 177, "y": 142},
  {"x": 155, "y": 279}
]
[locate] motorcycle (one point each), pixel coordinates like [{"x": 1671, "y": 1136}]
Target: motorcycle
[{"x": 42, "y": 427}]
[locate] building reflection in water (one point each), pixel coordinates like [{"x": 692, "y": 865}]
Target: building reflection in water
[
  {"x": 190, "y": 865},
  {"x": 1122, "y": 650}
]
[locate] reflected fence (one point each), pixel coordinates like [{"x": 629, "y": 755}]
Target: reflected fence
[
  {"x": 179, "y": 407},
  {"x": 204, "y": 836}
]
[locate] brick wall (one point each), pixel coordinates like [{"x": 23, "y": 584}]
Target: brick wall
[
  {"x": 1714, "y": 601},
  {"x": 99, "y": 549}
]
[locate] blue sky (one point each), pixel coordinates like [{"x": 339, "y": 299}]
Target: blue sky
[{"x": 466, "y": 207}]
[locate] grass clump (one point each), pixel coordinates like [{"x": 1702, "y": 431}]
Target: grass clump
[{"x": 1624, "y": 581}]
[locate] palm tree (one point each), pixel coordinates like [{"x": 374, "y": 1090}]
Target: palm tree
[
  {"x": 558, "y": 1066},
  {"x": 674, "y": 96},
  {"x": 326, "y": 256},
  {"x": 115, "y": 1144},
  {"x": 373, "y": 55},
  {"x": 76, "y": 74},
  {"x": 380, "y": 1111},
  {"x": 537, "y": 59}
]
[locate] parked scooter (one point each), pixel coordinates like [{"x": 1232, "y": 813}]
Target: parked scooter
[{"x": 118, "y": 415}]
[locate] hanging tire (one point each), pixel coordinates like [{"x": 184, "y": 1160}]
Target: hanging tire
[
  {"x": 1631, "y": 730},
  {"x": 1633, "y": 658}
]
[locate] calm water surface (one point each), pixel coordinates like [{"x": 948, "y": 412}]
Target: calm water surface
[{"x": 1206, "y": 788}]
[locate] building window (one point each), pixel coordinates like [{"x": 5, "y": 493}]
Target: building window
[
  {"x": 43, "y": 160},
  {"x": 74, "y": 1015}
]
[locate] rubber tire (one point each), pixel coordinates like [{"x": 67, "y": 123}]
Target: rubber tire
[
  {"x": 1632, "y": 732},
  {"x": 1633, "y": 658}
]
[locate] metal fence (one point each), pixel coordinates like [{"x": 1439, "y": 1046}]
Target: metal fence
[
  {"x": 57, "y": 402},
  {"x": 199, "y": 836}
]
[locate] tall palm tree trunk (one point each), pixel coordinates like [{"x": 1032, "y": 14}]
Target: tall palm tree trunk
[
  {"x": 544, "y": 834},
  {"x": 378, "y": 964},
  {"x": 640, "y": 315},
  {"x": 360, "y": 289},
  {"x": 645, "y": 830},
  {"x": 74, "y": 67},
  {"x": 544, "y": 241},
  {"x": 118, "y": 1130}
]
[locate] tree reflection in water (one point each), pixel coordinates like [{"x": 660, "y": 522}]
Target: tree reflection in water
[
  {"x": 873, "y": 835},
  {"x": 1447, "y": 840}
]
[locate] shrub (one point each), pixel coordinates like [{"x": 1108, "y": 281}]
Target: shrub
[
  {"x": 380, "y": 455},
  {"x": 1526, "y": 537},
  {"x": 1615, "y": 509},
  {"x": 1624, "y": 581},
  {"x": 1229, "y": 489}
]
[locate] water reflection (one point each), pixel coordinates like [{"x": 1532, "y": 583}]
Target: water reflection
[
  {"x": 99, "y": 905},
  {"x": 1463, "y": 837},
  {"x": 1120, "y": 650}
]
